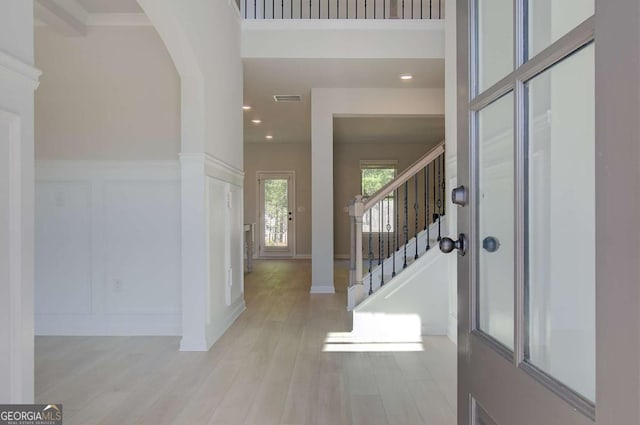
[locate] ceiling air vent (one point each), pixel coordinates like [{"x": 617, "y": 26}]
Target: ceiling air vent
[{"x": 287, "y": 98}]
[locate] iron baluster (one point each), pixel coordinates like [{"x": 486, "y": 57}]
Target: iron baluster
[
  {"x": 379, "y": 234},
  {"x": 416, "y": 210},
  {"x": 406, "y": 221},
  {"x": 402, "y": 9},
  {"x": 430, "y": 9},
  {"x": 388, "y": 227},
  {"x": 439, "y": 205},
  {"x": 370, "y": 254},
  {"x": 395, "y": 231},
  {"x": 426, "y": 200},
  {"x": 444, "y": 185},
  {"x": 381, "y": 243}
]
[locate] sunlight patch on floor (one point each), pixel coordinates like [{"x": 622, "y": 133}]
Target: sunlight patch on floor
[{"x": 348, "y": 342}]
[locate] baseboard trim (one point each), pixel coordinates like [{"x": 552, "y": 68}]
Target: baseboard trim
[
  {"x": 452, "y": 331},
  {"x": 322, "y": 289},
  {"x": 215, "y": 332},
  {"x": 302, "y": 257}
]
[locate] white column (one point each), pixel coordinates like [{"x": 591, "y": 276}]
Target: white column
[
  {"x": 203, "y": 39},
  {"x": 18, "y": 80},
  {"x": 321, "y": 197}
]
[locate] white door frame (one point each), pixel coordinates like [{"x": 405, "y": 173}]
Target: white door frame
[{"x": 291, "y": 228}]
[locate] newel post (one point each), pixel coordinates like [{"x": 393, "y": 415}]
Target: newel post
[{"x": 356, "y": 211}]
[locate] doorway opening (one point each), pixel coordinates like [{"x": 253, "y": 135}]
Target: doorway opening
[{"x": 276, "y": 213}]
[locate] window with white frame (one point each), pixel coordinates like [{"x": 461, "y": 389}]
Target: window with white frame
[{"x": 374, "y": 175}]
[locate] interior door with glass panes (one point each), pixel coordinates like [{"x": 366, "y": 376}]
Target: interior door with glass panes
[
  {"x": 276, "y": 214},
  {"x": 526, "y": 149}
]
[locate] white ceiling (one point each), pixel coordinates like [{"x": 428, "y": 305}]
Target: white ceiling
[
  {"x": 110, "y": 6},
  {"x": 291, "y": 122}
]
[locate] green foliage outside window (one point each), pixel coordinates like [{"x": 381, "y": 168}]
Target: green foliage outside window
[
  {"x": 373, "y": 179},
  {"x": 276, "y": 210}
]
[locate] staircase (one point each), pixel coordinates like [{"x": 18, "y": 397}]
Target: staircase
[{"x": 395, "y": 232}]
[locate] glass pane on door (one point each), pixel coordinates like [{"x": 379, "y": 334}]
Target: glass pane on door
[
  {"x": 551, "y": 19},
  {"x": 276, "y": 213},
  {"x": 494, "y": 41},
  {"x": 561, "y": 223},
  {"x": 496, "y": 220}
]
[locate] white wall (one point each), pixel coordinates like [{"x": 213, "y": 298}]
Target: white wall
[
  {"x": 113, "y": 94},
  {"x": 107, "y": 248},
  {"x": 203, "y": 39},
  {"x": 412, "y": 305},
  {"x": 325, "y": 104},
  {"x": 18, "y": 80},
  {"x": 281, "y": 157},
  {"x": 107, "y": 259},
  {"x": 347, "y": 39}
]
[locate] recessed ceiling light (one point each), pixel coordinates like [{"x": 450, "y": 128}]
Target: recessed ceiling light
[
  {"x": 406, "y": 77},
  {"x": 256, "y": 121},
  {"x": 246, "y": 107},
  {"x": 269, "y": 137}
]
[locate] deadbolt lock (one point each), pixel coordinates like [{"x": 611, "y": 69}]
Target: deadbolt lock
[{"x": 459, "y": 196}]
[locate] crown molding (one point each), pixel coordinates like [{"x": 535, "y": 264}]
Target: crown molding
[
  {"x": 68, "y": 17},
  {"x": 14, "y": 68}
]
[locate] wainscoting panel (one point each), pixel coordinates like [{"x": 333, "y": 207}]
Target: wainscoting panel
[
  {"x": 63, "y": 248},
  {"x": 142, "y": 247},
  {"x": 107, "y": 248}
]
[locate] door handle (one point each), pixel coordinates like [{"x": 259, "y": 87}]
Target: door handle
[{"x": 447, "y": 245}]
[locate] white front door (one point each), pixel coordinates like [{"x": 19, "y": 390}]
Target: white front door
[
  {"x": 526, "y": 158},
  {"x": 276, "y": 214}
]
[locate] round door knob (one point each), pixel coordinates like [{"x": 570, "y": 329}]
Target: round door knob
[{"x": 447, "y": 245}]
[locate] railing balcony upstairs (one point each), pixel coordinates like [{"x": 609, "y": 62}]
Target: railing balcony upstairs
[
  {"x": 386, "y": 227},
  {"x": 342, "y": 9}
]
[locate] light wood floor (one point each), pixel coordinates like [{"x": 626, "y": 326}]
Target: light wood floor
[{"x": 269, "y": 368}]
